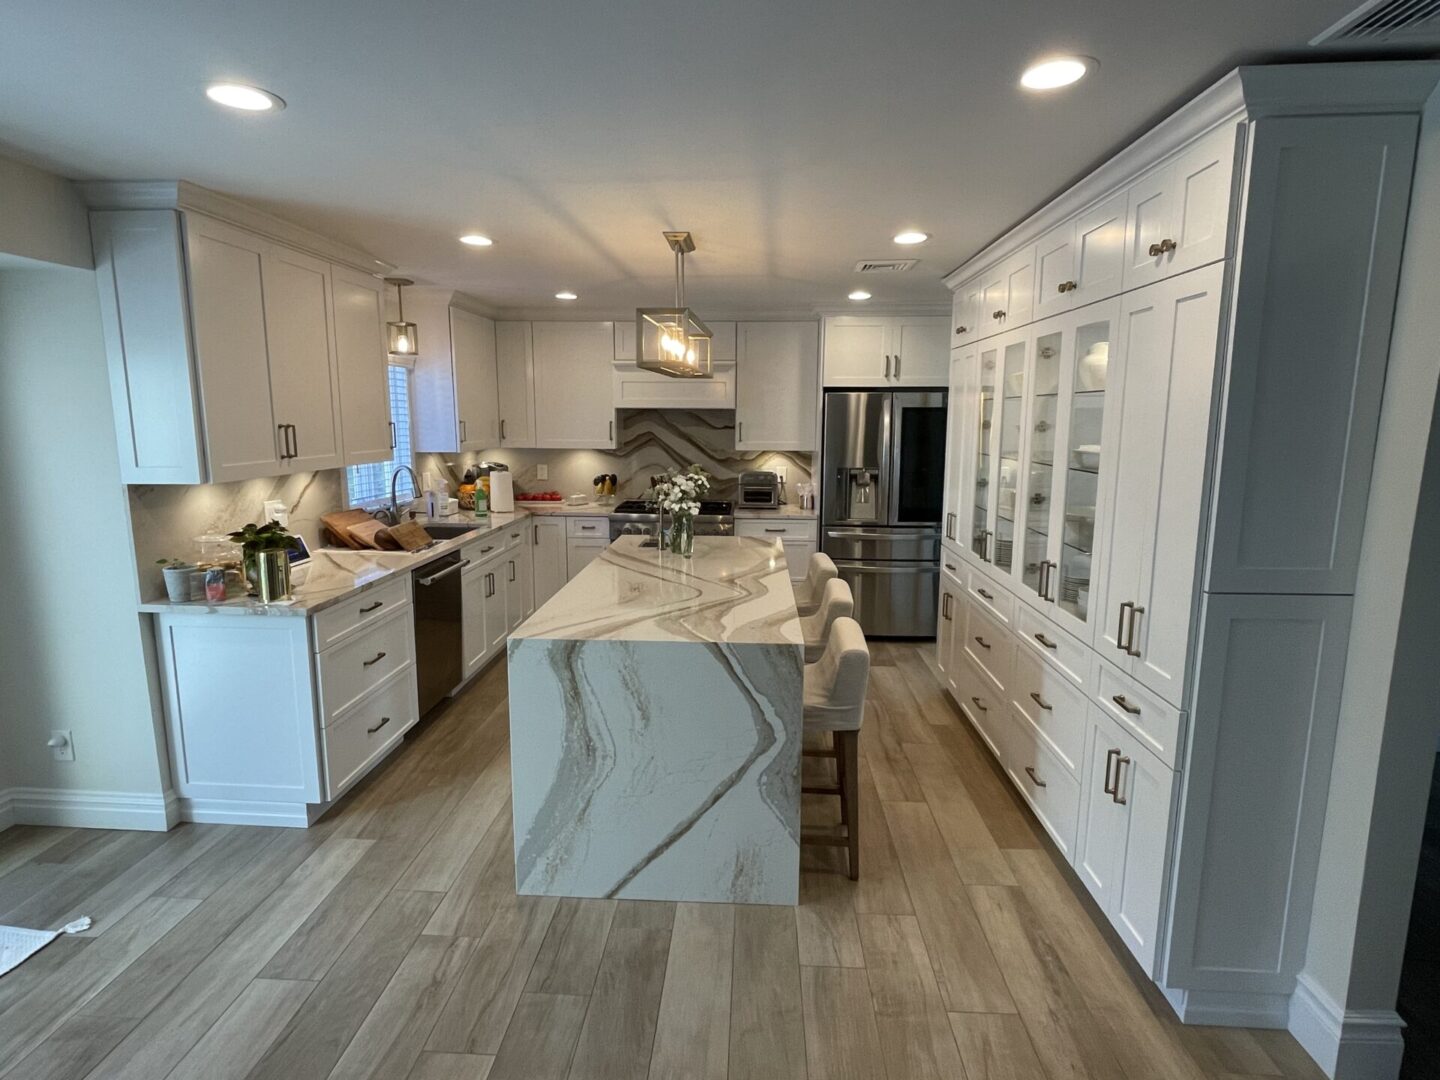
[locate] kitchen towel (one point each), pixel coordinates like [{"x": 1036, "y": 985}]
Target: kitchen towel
[{"x": 18, "y": 944}]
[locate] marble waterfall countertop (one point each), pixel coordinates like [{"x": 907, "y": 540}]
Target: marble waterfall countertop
[
  {"x": 735, "y": 589},
  {"x": 655, "y": 724},
  {"x": 336, "y": 574}
]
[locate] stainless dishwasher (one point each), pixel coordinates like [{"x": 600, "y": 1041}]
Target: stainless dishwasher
[{"x": 439, "y": 658}]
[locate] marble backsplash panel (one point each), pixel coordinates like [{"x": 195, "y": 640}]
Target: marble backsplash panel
[
  {"x": 651, "y": 440},
  {"x": 166, "y": 519}
]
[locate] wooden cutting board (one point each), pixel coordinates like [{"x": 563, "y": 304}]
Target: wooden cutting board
[
  {"x": 373, "y": 534},
  {"x": 410, "y": 535},
  {"x": 339, "y": 523}
]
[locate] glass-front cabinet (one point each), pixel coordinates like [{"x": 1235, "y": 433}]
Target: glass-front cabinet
[{"x": 996, "y": 433}]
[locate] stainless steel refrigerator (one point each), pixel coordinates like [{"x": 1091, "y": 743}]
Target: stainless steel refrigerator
[{"x": 883, "y": 486}]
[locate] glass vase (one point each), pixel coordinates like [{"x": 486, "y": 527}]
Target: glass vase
[{"x": 682, "y": 536}]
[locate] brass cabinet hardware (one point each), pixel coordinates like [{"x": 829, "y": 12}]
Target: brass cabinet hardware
[
  {"x": 373, "y": 660},
  {"x": 998, "y": 315},
  {"x": 1164, "y": 247},
  {"x": 1066, "y": 286},
  {"x": 372, "y": 607},
  {"x": 1124, "y": 703},
  {"x": 1041, "y": 702},
  {"x": 962, "y": 329},
  {"x": 383, "y": 721},
  {"x": 981, "y": 641},
  {"x": 1119, "y": 763},
  {"x": 1043, "y": 640},
  {"x": 1110, "y": 758},
  {"x": 1030, "y": 772}
]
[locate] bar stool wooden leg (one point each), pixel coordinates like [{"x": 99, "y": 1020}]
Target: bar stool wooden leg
[{"x": 848, "y": 761}]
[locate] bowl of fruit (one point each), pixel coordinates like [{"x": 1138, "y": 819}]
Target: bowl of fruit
[{"x": 542, "y": 497}]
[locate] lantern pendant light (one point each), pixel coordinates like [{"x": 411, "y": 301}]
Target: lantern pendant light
[
  {"x": 673, "y": 341},
  {"x": 404, "y": 340}
]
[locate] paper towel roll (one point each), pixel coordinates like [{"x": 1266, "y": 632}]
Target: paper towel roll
[{"x": 502, "y": 492}]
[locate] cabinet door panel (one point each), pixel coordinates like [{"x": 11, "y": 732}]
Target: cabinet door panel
[
  {"x": 302, "y": 361},
  {"x": 1055, "y": 270},
  {"x": 1100, "y": 845},
  {"x": 994, "y": 298},
  {"x": 547, "y": 537},
  {"x": 497, "y": 611},
  {"x": 920, "y": 351},
  {"x": 1100, "y": 251},
  {"x": 1019, "y": 287},
  {"x": 474, "y": 638},
  {"x": 472, "y": 343},
  {"x": 957, "y": 443},
  {"x": 1203, "y": 182},
  {"x": 966, "y": 313},
  {"x": 581, "y": 553},
  {"x": 573, "y": 403},
  {"x": 515, "y": 378},
  {"x": 855, "y": 351},
  {"x": 359, "y": 308},
  {"x": 1147, "y": 223},
  {"x": 227, "y": 304},
  {"x": 775, "y": 386},
  {"x": 1147, "y": 787}
]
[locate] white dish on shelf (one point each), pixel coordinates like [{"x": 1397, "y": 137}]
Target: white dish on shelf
[
  {"x": 1086, "y": 457},
  {"x": 1093, "y": 365},
  {"x": 1015, "y": 384}
]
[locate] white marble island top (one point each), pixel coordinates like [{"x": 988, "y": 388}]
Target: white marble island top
[
  {"x": 735, "y": 589},
  {"x": 655, "y": 721}
]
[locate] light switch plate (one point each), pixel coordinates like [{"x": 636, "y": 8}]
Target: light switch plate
[
  {"x": 780, "y": 471},
  {"x": 542, "y": 472},
  {"x": 276, "y": 510},
  {"x": 66, "y": 750}
]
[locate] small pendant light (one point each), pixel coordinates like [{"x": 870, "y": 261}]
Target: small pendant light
[{"x": 404, "y": 339}]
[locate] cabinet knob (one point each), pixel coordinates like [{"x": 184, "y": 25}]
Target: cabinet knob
[
  {"x": 1164, "y": 247},
  {"x": 998, "y": 315},
  {"x": 962, "y": 329},
  {"x": 1066, "y": 286}
]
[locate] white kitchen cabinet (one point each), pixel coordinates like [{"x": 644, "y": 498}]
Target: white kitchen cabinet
[
  {"x": 958, "y": 436},
  {"x": 1099, "y": 251},
  {"x": 580, "y": 552},
  {"x": 520, "y": 583},
  {"x": 799, "y": 537},
  {"x": 472, "y": 343},
  {"x": 1007, "y": 292},
  {"x": 1179, "y": 213},
  {"x": 485, "y": 620},
  {"x": 547, "y": 544},
  {"x": 1168, "y": 335},
  {"x": 454, "y": 391},
  {"x": 947, "y": 651},
  {"x": 515, "y": 376},
  {"x": 358, "y": 304},
  {"x": 573, "y": 402},
  {"x": 304, "y": 381},
  {"x": 862, "y": 350},
  {"x": 965, "y": 313},
  {"x": 776, "y": 372},
  {"x": 1054, "y": 270},
  {"x": 223, "y": 345},
  {"x": 633, "y": 387}
]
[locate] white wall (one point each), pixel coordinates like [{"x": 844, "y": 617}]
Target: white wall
[
  {"x": 42, "y": 217},
  {"x": 1386, "y": 738},
  {"x": 73, "y": 653}
]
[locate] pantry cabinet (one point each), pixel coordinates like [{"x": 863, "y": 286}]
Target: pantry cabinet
[
  {"x": 775, "y": 380},
  {"x": 1158, "y": 464},
  {"x": 573, "y": 402},
  {"x": 225, "y": 346},
  {"x": 880, "y": 351}
]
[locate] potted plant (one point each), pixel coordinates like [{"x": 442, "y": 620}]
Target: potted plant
[
  {"x": 177, "y": 578},
  {"x": 266, "y": 551},
  {"x": 678, "y": 494}
]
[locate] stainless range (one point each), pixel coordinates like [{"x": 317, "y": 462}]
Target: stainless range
[{"x": 636, "y": 517}]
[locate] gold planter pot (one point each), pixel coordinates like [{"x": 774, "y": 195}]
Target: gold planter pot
[{"x": 269, "y": 573}]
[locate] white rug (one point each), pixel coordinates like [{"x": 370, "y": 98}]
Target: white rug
[{"x": 18, "y": 944}]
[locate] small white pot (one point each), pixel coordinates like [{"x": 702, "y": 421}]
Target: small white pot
[{"x": 177, "y": 582}]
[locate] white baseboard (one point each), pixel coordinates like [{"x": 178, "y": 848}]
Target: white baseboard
[
  {"x": 237, "y": 812},
  {"x": 1218, "y": 1008},
  {"x": 1348, "y": 1045},
  {"x": 87, "y": 809}
]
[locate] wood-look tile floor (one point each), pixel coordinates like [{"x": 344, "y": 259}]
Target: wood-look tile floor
[{"x": 388, "y": 941}]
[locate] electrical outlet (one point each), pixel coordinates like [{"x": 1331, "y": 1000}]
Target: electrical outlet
[
  {"x": 61, "y": 747},
  {"x": 276, "y": 510},
  {"x": 542, "y": 472},
  {"x": 780, "y": 473}
]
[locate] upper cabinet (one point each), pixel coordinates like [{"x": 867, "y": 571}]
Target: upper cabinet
[
  {"x": 515, "y": 373},
  {"x": 881, "y": 350},
  {"x": 965, "y": 313},
  {"x": 359, "y": 309},
  {"x": 454, "y": 395},
  {"x": 1080, "y": 260},
  {"x": 224, "y": 354},
  {"x": 775, "y": 399},
  {"x": 574, "y": 406}
]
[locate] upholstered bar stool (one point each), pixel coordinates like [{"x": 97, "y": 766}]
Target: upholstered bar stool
[
  {"x": 807, "y": 593},
  {"x": 836, "y": 602},
  {"x": 835, "y": 687}
]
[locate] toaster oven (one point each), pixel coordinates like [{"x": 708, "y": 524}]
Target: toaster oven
[{"x": 759, "y": 488}]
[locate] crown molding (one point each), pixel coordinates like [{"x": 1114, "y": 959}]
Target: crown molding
[{"x": 185, "y": 196}]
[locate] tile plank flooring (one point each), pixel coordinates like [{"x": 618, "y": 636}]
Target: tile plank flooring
[{"x": 388, "y": 942}]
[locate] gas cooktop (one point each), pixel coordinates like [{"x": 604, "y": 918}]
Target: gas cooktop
[{"x": 710, "y": 508}]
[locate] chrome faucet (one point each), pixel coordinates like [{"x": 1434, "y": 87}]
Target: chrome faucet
[{"x": 394, "y": 481}]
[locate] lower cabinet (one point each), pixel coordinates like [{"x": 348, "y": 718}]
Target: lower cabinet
[
  {"x": 947, "y": 659},
  {"x": 484, "y": 592},
  {"x": 547, "y": 546},
  {"x": 799, "y": 537},
  {"x": 580, "y": 552}
]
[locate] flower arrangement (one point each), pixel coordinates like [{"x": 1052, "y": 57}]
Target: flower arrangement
[{"x": 678, "y": 493}]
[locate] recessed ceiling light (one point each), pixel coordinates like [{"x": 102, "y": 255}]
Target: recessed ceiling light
[
  {"x": 245, "y": 98},
  {"x": 1055, "y": 72},
  {"x": 859, "y": 294},
  {"x": 566, "y": 295},
  {"x": 474, "y": 239},
  {"x": 911, "y": 237}
]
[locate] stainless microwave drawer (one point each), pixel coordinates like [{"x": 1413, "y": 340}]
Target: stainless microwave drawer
[{"x": 881, "y": 545}]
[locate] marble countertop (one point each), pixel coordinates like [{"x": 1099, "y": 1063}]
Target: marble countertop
[
  {"x": 560, "y": 509},
  {"x": 788, "y": 510},
  {"x": 336, "y": 574},
  {"x": 735, "y": 590}
]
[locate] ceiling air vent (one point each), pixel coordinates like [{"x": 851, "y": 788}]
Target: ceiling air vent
[
  {"x": 892, "y": 266},
  {"x": 1386, "y": 21}
]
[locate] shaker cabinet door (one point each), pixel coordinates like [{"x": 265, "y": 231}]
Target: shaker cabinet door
[
  {"x": 1055, "y": 283},
  {"x": 574, "y": 406},
  {"x": 303, "y": 376},
  {"x": 472, "y": 343},
  {"x": 359, "y": 309},
  {"x": 515, "y": 378},
  {"x": 775, "y": 385},
  {"x": 856, "y": 351}
]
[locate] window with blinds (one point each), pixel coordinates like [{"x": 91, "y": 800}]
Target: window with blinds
[{"x": 370, "y": 484}]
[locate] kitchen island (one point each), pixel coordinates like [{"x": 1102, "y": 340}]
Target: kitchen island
[{"x": 655, "y": 720}]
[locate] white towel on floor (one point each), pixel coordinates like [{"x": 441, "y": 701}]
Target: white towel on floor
[{"x": 18, "y": 944}]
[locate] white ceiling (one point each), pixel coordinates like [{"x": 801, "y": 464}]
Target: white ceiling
[{"x": 793, "y": 137}]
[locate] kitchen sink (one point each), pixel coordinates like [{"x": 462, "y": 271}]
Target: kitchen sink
[{"x": 448, "y": 531}]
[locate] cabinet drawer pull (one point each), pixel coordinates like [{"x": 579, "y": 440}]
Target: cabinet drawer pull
[
  {"x": 383, "y": 721},
  {"x": 502, "y": 430},
  {"x": 985, "y": 594},
  {"x": 1110, "y": 756},
  {"x": 487, "y": 550},
  {"x": 1041, "y": 702},
  {"x": 1119, "y": 763},
  {"x": 512, "y": 569},
  {"x": 374, "y": 659},
  {"x": 950, "y": 567},
  {"x": 1043, "y": 640},
  {"x": 981, "y": 641},
  {"x": 1030, "y": 772},
  {"x": 1119, "y": 699},
  {"x": 945, "y": 606},
  {"x": 372, "y": 607},
  {"x": 514, "y": 536},
  {"x": 780, "y": 530},
  {"x": 979, "y": 704}
]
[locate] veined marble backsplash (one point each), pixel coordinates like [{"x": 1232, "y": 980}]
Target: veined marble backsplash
[
  {"x": 651, "y": 441},
  {"x": 166, "y": 519}
]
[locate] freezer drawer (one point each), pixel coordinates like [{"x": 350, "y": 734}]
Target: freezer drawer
[
  {"x": 893, "y": 599},
  {"x": 881, "y": 545}
]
